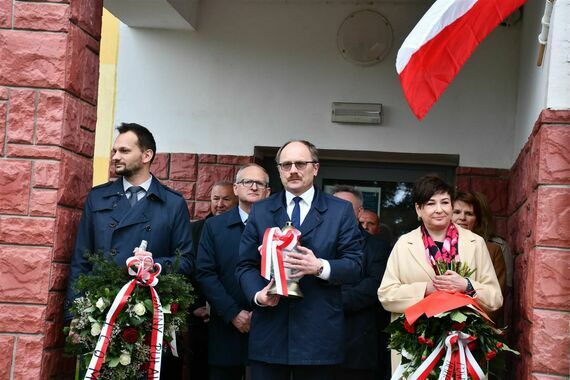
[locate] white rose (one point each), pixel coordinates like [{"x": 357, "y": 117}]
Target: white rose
[
  {"x": 139, "y": 309},
  {"x": 125, "y": 358},
  {"x": 95, "y": 329},
  {"x": 101, "y": 304}
]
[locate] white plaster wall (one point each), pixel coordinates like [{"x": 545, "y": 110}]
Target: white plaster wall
[
  {"x": 547, "y": 86},
  {"x": 260, "y": 73},
  {"x": 531, "y": 97}
]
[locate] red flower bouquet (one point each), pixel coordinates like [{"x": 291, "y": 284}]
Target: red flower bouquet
[{"x": 445, "y": 334}]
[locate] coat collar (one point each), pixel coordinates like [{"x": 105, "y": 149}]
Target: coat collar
[
  {"x": 155, "y": 191},
  {"x": 233, "y": 217},
  {"x": 465, "y": 247}
]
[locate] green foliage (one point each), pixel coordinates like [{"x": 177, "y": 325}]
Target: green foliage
[
  {"x": 411, "y": 340},
  {"x": 126, "y": 356}
]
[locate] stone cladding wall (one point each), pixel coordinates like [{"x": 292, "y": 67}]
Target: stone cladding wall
[
  {"x": 49, "y": 65},
  {"x": 193, "y": 175},
  {"x": 539, "y": 235},
  {"x": 531, "y": 210}
]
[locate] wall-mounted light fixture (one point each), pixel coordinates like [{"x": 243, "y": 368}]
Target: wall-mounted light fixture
[{"x": 357, "y": 113}]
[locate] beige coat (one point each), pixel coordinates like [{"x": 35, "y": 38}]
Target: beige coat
[{"x": 408, "y": 272}]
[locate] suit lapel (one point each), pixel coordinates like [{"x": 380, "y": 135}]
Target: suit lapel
[
  {"x": 279, "y": 210},
  {"x": 314, "y": 217},
  {"x": 142, "y": 212},
  {"x": 417, "y": 250}
]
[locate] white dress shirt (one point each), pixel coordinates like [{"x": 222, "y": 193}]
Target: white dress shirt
[{"x": 141, "y": 194}]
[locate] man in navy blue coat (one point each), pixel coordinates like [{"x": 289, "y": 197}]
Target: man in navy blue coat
[
  {"x": 230, "y": 312},
  {"x": 361, "y": 304},
  {"x": 114, "y": 224},
  {"x": 300, "y": 338}
]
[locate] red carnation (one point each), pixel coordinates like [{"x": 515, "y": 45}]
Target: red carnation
[
  {"x": 490, "y": 355},
  {"x": 458, "y": 326},
  {"x": 429, "y": 342},
  {"x": 130, "y": 335},
  {"x": 423, "y": 357},
  {"x": 499, "y": 345},
  {"x": 146, "y": 340},
  {"x": 409, "y": 328},
  {"x": 471, "y": 346},
  {"x": 174, "y": 308},
  {"x": 421, "y": 339}
]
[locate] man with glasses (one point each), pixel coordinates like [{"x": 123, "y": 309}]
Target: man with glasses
[
  {"x": 300, "y": 338},
  {"x": 230, "y": 313}
]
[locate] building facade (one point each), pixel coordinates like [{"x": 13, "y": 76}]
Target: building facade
[{"x": 222, "y": 83}]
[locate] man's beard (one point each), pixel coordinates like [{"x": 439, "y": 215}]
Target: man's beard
[{"x": 127, "y": 172}]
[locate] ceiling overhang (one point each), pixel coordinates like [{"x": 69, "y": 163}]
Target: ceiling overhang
[{"x": 156, "y": 14}]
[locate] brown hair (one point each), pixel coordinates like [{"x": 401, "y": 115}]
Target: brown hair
[{"x": 483, "y": 218}]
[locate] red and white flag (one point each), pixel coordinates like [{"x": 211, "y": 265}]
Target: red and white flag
[{"x": 440, "y": 44}]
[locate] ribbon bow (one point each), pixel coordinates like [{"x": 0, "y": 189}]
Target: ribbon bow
[
  {"x": 274, "y": 242},
  {"x": 458, "y": 363},
  {"x": 143, "y": 277}
]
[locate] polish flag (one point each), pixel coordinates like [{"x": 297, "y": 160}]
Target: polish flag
[{"x": 440, "y": 44}]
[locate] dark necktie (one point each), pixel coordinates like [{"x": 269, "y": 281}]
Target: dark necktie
[
  {"x": 134, "y": 191},
  {"x": 296, "y": 214}
]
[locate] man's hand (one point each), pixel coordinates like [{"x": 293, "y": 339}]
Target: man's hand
[
  {"x": 242, "y": 321},
  {"x": 306, "y": 263},
  {"x": 450, "y": 282},
  {"x": 140, "y": 254},
  {"x": 265, "y": 299},
  {"x": 202, "y": 312}
]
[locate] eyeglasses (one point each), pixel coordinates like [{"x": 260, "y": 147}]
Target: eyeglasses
[
  {"x": 300, "y": 165},
  {"x": 251, "y": 182}
]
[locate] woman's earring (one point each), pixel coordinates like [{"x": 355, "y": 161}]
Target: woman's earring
[{"x": 419, "y": 218}]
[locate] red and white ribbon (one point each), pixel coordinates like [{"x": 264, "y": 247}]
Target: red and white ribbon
[
  {"x": 274, "y": 243},
  {"x": 143, "y": 277},
  {"x": 458, "y": 364}
]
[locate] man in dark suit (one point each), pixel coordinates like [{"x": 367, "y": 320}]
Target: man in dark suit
[
  {"x": 217, "y": 258},
  {"x": 360, "y": 303},
  {"x": 222, "y": 199},
  {"x": 118, "y": 215},
  {"x": 300, "y": 338}
]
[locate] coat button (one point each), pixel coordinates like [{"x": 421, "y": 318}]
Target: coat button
[
  {"x": 113, "y": 252},
  {"x": 113, "y": 224},
  {"x": 147, "y": 228}
]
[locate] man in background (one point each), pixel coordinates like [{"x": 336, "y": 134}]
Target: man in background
[
  {"x": 230, "y": 314},
  {"x": 369, "y": 221},
  {"x": 361, "y": 305},
  {"x": 222, "y": 199}
]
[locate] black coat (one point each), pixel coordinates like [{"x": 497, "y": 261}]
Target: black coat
[
  {"x": 361, "y": 304},
  {"x": 217, "y": 259}
]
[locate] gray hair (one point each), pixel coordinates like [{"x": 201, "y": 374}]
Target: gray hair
[{"x": 348, "y": 189}]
